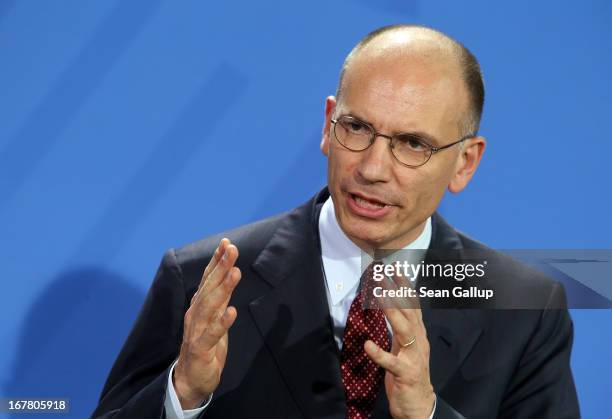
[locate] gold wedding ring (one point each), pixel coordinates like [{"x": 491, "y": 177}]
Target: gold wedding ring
[{"x": 409, "y": 343}]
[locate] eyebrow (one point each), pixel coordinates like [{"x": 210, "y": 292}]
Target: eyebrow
[{"x": 431, "y": 140}]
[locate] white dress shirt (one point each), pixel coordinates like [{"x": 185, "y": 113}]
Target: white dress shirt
[
  {"x": 342, "y": 268},
  {"x": 343, "y": 265}
]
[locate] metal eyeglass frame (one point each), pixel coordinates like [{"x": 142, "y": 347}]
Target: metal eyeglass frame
[{"x": 375, "y": 134}]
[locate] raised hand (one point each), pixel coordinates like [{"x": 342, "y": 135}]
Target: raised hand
[
  {"x": 407, "y": 377},
  {"x": 204, "y": 347}
]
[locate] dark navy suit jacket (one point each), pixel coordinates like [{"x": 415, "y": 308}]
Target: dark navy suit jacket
[{"x": 283, "y": 361}]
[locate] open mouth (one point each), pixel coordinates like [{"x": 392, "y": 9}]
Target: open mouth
[
  {"x": 368, "y": 203},
  {"x": 368, "y": 207}
]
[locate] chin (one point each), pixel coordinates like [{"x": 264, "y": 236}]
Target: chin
[{"x": 365, "y": 234}]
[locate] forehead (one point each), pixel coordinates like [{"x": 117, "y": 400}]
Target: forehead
[{"x": 405, "y": 89}]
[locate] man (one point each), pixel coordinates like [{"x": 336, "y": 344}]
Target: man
[{"x": 279, "y": 332}]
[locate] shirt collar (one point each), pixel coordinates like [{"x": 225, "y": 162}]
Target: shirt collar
[{"x": 342, "y": 263}]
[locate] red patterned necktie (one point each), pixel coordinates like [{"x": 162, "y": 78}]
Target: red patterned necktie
[{"x": 361, "y": 377}]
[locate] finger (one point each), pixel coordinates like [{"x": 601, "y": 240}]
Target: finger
[
  {"x": 229, "y": 317},
  {"x": 401, "y": 281},
  {"x": 212, "y": 264},
  {"x": 215, "y": 259},
  {"x": 202, "y": 311},
  {"x": 404, "y": 336},
  {"x": 216, "y": 276},
  {"x": 415, "y": 317},
  {"x": 218, "y": 328},
  {"x": 419, "y": 314},
  {"x": 398, "y": 300},
  {"x": 420, "y": 325},
  {"x": 402, "y": 302},
  {"x": 383, "y": 358},
  {"x": 217, "y": 299},
  {"x": 228, "y": 286},
  {"x": 403, "y": 329},
  {"x": 385, "y": 301}
]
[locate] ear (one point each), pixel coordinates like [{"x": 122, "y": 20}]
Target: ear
[
  {"x": 330, "y": 106},
  {"x": 467, "y": 163}
]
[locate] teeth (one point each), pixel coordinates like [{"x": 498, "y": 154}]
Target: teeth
[{"x": 367, "y": 204}]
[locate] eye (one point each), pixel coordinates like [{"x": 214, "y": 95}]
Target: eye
[
  {"x": 354, "y": 127},
  {"x": 412, "y": 142}
]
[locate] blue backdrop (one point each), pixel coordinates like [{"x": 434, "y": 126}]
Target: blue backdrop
[{"x": 128, "y": 127}]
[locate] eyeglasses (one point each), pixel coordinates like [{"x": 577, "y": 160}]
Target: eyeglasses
[{"x": 409, "y": 149}]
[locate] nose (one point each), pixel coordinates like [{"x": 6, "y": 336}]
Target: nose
[{"x": 376, "y": 161}]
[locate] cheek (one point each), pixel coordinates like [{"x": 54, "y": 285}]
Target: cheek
[
  {"x": 340, "y": 166},
  {"x": 422, "y": 192},
  {"x": 334, "y": 176}
]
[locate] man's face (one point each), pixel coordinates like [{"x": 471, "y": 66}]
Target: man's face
[{"x": 380, "y": 203}]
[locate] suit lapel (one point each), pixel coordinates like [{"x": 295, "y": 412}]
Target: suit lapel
[
  {"x": 293, "y": 317},
  {"x": 451, "y": 332}
]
